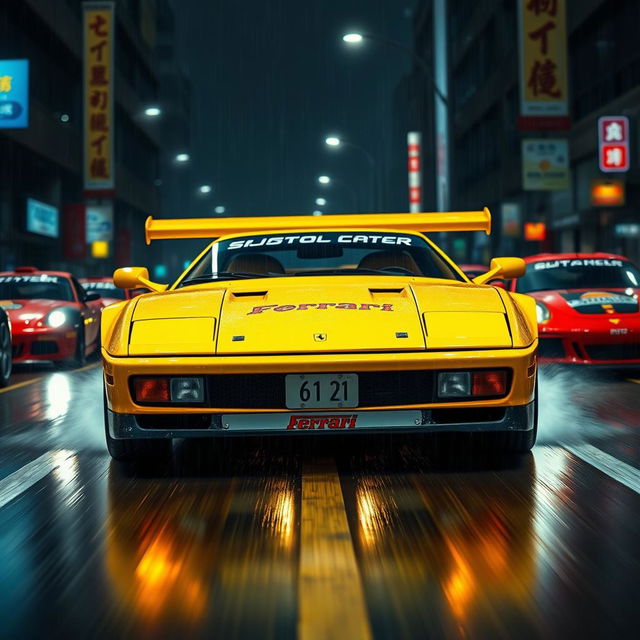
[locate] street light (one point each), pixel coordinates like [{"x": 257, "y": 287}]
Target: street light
[
  {"x": 152, "y": 112},
  {"x": 357, "y": 38},
  {"x": 327, "y": 181},
  {"x": 182, "y": 157},
  {"x": 321, "y": 202},
  {"x": 205, "y": 188},
  {"x": 352, "y": 38},
  {"x": 219, "y": 209},
  {"x": 334, "y": 141}
]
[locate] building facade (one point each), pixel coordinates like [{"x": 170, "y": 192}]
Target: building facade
[
  {"x": 44, "y": 162},
  {"x": 486, "y": 144}
]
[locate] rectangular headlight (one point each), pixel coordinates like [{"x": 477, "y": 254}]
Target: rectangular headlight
[
  {"x": 454, "y": 384},
  {"x": 189, "y": 389}
]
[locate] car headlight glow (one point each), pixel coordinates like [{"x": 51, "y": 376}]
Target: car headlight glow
[
  {"x": 56, "y": 318},
  {"x": 542, "y": 312}
]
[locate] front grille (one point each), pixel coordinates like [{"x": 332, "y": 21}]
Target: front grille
[
  {"x": 550, "y": 348},
  {"x": 267, "y": 391},
  {"x": 629, "y": 351},
  {"x": 44, "y": 347}
]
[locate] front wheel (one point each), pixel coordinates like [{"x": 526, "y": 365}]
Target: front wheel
[{"x": 6, "y": 355}]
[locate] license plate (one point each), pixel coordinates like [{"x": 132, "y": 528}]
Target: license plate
[{"x": 321, "y": 391}]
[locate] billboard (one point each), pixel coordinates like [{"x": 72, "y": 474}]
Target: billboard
[
  {"x": 544, "y": 100},
  {"x": 99, "y": 223},
  {"x": 98, "y": 30},
  {"x": 42, "y": 218},
  {"x": 545, "y": 164},
  {"x": 14, "y": 94}
]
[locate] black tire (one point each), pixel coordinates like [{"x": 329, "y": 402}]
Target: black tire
[
  {"x": 80, "y": 355},
  {"x": 136, "y": 451},
  {"x": 6, "y": 355}
]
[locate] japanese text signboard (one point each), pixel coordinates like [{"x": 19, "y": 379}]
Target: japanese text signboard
[
  {"x": 613, "y": 143},
  {"x": 98, "y": 30},
  {"x": 544, "y": 102},
  {"x": 14, "y": 94}
]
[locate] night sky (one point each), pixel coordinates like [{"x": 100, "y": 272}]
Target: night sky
[{"x": 271, "y": 79}]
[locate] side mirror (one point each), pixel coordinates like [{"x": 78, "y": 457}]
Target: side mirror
[
  {"x": 92, "y": 296},
  {"x": 506, "y": 268},
  {"x": 135, "y": 277}
]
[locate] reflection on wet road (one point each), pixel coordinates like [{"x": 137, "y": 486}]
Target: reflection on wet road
[{"x": 317, "y": 537}]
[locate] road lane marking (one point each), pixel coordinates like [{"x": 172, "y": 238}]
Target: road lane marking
[
  {"x": 633, "y": 380},
  {"x": 17, "y": 385},
  {"x": 24, "y": 383},
  {"x": 620, "y": 471},
  {"x": 25, "y": 477},
  {"x": 330, "y": 593}
]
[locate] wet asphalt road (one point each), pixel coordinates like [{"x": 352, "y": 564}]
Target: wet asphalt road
[{"x": 319, "y": 538}]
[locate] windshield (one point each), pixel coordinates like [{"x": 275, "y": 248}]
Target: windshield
[
  {"x": 105, "y": 289},
  {"x": 35, "y": 287},
  {"x": 328, "y": 253},
  {"x": 578, "y": 274}
]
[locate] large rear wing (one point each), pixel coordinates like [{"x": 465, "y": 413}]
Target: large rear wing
[{"x": 420, "y": 222}]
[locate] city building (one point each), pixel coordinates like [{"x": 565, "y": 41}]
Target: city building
[
  {"x": 42, "y": 165},
  {"x": 486, "y": 143}
]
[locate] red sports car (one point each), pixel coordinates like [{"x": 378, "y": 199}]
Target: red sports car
[
  {"x": 108, "y": 291},
  {"x": 52, "y": 316},
  {"x": 587, "y": 305}
]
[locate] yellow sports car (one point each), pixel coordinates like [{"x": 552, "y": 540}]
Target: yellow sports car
[{"x": 344, "y": 323}]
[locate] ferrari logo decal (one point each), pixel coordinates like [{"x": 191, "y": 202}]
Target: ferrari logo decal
[
  {"x": 320, "y": 337},
  {"x": 614, "y": 320}
]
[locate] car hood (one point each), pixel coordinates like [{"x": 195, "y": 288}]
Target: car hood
[
  {"x": 579, "y": 302},
  {"x": 279, "y": 316}
]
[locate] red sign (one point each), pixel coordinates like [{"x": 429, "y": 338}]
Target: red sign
[{"x": 613, "y": 143}]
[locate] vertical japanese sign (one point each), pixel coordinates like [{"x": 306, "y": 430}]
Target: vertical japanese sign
[
  {"x": 544, "y": 100},
  {"x": 14, "y": 94},
  {"x": 415, "y": 182},
  {"x": 98, "y": 29},
  {"x": 613, "y": 143}
]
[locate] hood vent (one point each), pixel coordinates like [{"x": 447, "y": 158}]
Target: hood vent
[
  {"x": 249, "y": 294},
  {"x": 396, "y": 291}
]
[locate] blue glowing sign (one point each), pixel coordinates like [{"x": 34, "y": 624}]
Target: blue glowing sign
[
  {"x": 14, "y": 94},
  {"x": 42, "y": 218}
]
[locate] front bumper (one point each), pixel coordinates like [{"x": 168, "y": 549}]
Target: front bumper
[
  {"x": 119, "y": 370},
  {"x": 521, "y": 418},
  {"x": 44, "y": 344},
  {"x": 595, "y": 349}
]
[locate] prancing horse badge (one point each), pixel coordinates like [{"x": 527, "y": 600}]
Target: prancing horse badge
[{"x": 320, "y": 337}]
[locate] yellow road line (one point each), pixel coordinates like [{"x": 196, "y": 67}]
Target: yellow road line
[
  {"x": 17, "y": 385},
  {"x": 633, "y": 380},
  {"x": 24, "y": 383},
  {"x": 330, "y": 593}
]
